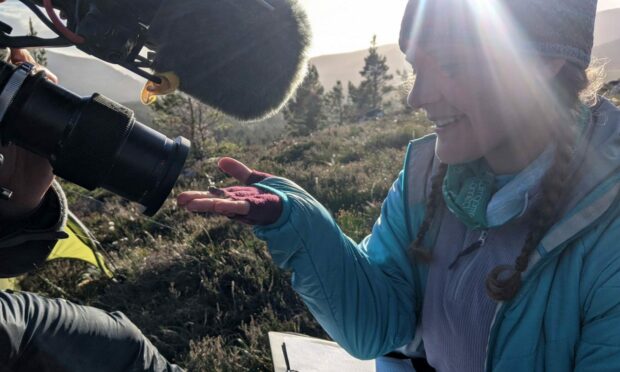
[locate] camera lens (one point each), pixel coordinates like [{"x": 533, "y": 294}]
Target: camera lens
[{"x": 94, "y": 142}]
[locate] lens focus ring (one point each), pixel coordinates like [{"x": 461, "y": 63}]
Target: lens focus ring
[{"x": 94, "y": 139}]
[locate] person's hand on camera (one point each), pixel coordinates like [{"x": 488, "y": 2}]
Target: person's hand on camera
[
  {"x": 248, "y": 204},
  {"x": 19, "y": 56},
  {"x": 29, "y": 176}
]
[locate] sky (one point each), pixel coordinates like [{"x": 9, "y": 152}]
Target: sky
[
  {"x": 338, "y": 25},
  {"x": 608, "y": 4},
  {"x": 347, "y": 25}
]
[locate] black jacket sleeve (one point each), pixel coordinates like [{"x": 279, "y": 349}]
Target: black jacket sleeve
[
  {"x": 26, "y": 244},
  {"x": 45, "y": 335},
  {"x": 53, "y": 335}
]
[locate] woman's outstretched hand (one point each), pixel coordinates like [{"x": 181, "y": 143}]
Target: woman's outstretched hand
[{"x": 247, "y": 204}]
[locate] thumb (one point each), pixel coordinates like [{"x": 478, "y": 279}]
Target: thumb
[{"x": 235, "y": 169}]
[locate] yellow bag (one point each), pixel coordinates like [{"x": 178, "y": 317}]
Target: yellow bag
[{"x": 80, "y": 245}]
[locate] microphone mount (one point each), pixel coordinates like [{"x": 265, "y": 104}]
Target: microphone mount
[{"x": 121, "y": 43}]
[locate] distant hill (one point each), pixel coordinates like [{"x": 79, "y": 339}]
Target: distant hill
[
  {"x": 610, "y": 52},
  {"x": 85, "y": 76},
  {"x": 346, "y": 66},
  {"x": 607, "y": 41},
  {"x": 607, "y": 27}
]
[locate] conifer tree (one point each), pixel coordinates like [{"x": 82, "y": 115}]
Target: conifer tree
[
  {"x": 407, "y": 80},
  {"x": 304, "y": 112},
  {"x": 187, "y": 116},
  {"x": 375, "y": 83},
  {"x": 357, "y": 103},
  {"x": 336, "y": 102},
  {"x": 39, "y": 55}
]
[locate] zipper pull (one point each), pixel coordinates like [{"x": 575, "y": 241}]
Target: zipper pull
[
  {"x": 475, "y": 245},
  {"x": 483, "y": 237}
]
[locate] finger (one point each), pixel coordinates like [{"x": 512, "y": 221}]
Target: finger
[
  {"x": 220, "y": 206},
  {"x": 187, "y": 196},
  {"x": 48, "y": 74},
  {"x": 235, "y": 169},
  {"x": 232, "y": 207},
  {"x": 21, "y": 55}
]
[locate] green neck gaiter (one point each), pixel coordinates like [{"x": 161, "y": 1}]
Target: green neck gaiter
[{"x": 467, "y": 190}]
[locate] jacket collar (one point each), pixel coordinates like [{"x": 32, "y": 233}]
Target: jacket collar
[{"x": 597, "y": 160}]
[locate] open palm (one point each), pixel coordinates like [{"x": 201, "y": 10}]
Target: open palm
[{"x": 248, "y": 204}]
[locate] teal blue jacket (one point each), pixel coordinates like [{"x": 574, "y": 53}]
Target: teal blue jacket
[{"x": 367, "y": 295}]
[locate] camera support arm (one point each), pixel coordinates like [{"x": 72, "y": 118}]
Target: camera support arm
[
  {"x": 121, "y": 45},
  {"x": 31, "y": 41}
]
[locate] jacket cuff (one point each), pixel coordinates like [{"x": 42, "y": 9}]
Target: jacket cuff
[
  {"x": 286, "y": 205},
  {"x": 47, "y": 223}
]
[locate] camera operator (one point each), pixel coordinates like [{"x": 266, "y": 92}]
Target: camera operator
[{"x": 40, "y": 334}]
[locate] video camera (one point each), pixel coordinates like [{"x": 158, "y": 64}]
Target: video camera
[{"x": 242, "y": 57}]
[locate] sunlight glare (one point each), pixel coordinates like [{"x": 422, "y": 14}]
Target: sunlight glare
[{"x": 504, "y": 42}]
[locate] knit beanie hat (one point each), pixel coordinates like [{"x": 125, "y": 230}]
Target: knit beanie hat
[{"x": 552, "y": 28}]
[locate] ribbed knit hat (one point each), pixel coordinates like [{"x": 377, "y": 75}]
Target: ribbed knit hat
[{"x": 553, "y": 28}]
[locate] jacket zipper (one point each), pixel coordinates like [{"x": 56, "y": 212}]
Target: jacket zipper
[
  {"x": 472, "y": 247},
  {"x": 484, "y": 234}
]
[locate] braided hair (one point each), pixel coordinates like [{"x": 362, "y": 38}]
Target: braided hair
[
  {"x": 434, "y": 202},
  {"x": 504, "y": 281}
]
